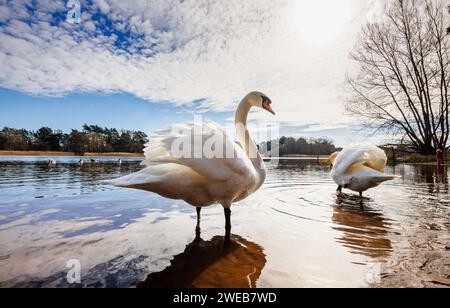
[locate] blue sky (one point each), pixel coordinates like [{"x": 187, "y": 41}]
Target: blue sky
[
  {"x": 146, "y": 64},
  {"x": 121, "y": 111}
]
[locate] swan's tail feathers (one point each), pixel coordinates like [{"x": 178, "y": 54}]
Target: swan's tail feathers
[
  {"x": 385, "y": 178},
  {"x": 134, "y": 179}
]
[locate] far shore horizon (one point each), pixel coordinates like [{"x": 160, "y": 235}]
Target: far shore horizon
[{"x": 69, "y": 154}]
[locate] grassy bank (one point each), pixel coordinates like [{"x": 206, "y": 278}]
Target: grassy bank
[
  {"x": 415, "y": 158},
  {"x": 324, "y": 159},
  {"x": 412, "y": 159},
  {"x": 45, "y": 153}
]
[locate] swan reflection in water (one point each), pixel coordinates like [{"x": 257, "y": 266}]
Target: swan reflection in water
[
  {"x": 364, "y": 231},
  {"x": 222, "y": 262}
]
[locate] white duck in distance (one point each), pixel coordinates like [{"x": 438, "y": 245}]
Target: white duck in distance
[
  {"x": 198, "y": 180},
  {"x": 359, "y": 167}
]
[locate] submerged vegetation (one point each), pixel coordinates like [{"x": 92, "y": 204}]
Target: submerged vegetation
[{"x": 92, "y": 139}]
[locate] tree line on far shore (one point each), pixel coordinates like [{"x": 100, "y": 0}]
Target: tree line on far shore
[
  {"x": 90, "y": 139},
  {"x": 96, "y": 139},
  {"x": 300, "y": 146}
]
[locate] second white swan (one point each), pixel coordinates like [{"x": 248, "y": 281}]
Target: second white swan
[{"x": 359, "y": 167}]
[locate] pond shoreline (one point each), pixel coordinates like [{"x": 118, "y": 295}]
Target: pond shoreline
[{"x": 67, "y": 154}]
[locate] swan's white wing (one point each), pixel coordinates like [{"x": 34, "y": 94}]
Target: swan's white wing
[
  {"x": 199, "y": 180},
  {"x": 346, "y": 159},
  {"x": 198, "y": 147},
  {"x": 376, "y": 157},
  {"x": 177, "y": 169},
  {"x": 364, "y": 153}
]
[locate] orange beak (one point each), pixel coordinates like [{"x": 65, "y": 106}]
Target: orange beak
[{"x": 266, "y": 106}]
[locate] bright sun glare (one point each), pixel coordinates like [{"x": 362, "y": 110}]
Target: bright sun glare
[{"x": 322, "y": 20}]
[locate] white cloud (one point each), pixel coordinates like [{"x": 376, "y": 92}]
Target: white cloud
[
  {"x": 324, "y": 127},
  {"x": 102, "y": 5},
  {"x": 184, "y": 51}
]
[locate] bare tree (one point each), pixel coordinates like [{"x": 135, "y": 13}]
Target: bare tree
[{"x": 402, "y": 86}]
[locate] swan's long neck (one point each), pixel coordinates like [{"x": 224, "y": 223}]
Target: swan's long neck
[{"x": 243, "y": 134}]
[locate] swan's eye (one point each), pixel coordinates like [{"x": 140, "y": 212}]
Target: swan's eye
[{"x": 265, "y": 99}]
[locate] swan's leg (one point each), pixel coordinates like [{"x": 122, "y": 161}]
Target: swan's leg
[
  {"x": 339, "y": 189},
  {"x": 198, "y": 233},
  {"x": 227, "y": 212},
  {"x": 360, "y": 194},
  {"x": 197, "y": 228},
  {"x": 198, "y": 213}
]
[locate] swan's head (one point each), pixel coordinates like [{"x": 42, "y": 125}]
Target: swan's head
[
  {"x": 333, "y": 158},
  {"x": 260, "y": 100}
]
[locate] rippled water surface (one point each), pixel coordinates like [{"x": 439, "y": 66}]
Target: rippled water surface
[{"x": 294, "y": 232}]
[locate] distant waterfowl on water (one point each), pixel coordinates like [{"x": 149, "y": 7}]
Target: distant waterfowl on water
[
  {"x": 359, "y": 167},
  {"x": 51, "y": 162},
  {"x": 202, "y": 182}
]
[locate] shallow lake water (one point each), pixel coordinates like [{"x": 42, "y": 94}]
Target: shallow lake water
[{"x": 294, "y": 232}]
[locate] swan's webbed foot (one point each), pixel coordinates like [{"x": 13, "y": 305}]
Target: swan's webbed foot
[
  {"x": 227, "y": 212},
  {"x": 339, "y": 190}
]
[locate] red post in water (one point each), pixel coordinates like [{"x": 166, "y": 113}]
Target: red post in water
[{"x": 439, "y": 157}]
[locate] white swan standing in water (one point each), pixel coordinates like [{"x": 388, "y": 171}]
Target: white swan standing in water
[
  {"x": 202, "y": 181},
  {"x": 359, "y": 167}
]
